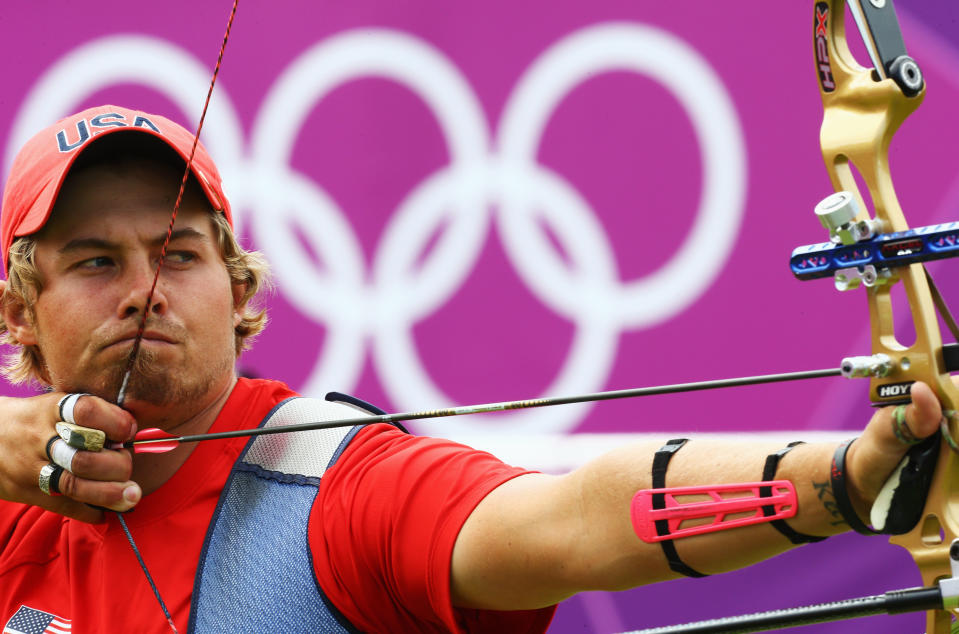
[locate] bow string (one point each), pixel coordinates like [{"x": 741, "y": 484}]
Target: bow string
[{"x": 138, "y": 339}]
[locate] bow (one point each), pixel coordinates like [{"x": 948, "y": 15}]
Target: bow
[
  {"x": 860, "y": 117},
  {"x": 862, "y": 110}
]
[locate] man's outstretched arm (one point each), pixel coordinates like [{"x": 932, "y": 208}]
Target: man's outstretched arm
[{"x": 538, "y": 539}]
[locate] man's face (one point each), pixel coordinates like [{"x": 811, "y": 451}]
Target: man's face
[{"x": 97, "y": 257}]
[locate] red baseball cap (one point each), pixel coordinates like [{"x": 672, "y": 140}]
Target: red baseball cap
[{"x": 42, "y": 165}]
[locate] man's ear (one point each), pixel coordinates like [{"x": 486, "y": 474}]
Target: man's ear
[
  {"x": 18, "y": 319},
  {"x": 239, "y": 302}
]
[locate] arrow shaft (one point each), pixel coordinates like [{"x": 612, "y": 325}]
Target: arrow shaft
[{"x": 501, "y": 406}]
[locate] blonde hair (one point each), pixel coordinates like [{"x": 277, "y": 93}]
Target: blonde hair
[{"x": 248, "y": 269}]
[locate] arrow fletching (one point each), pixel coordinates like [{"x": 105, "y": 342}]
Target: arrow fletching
[{"x": 151, "y": 440}]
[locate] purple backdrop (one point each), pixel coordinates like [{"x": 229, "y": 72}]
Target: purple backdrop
[{"x": 488, "y": 201}]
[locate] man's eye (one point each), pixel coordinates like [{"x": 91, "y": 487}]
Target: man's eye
[
  {"x": 98, "y": 262},
  {"x": 180, "y": 257}
]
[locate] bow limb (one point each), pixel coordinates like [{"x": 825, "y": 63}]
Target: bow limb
[{"x": 861, "y": 115}]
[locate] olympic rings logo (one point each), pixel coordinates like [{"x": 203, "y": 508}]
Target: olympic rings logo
[{"x": 484, "y": 173}]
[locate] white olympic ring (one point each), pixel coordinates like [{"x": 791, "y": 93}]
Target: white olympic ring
[{"x": 483, "y": 173}]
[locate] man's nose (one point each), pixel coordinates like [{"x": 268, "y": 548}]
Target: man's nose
[{"x": 140, "y": 280}]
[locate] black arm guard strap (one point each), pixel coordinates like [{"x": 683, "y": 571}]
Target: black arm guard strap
[
  {"x": 660, "y": 464},
  {"x": 769, "y": 473}
]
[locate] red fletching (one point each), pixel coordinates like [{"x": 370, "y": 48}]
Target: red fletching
[
  {"x": 150, "y": 440},
  {"x": 741, "y": 506}
]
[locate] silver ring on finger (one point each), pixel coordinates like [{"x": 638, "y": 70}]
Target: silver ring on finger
[{"x": 49, "y": 480}]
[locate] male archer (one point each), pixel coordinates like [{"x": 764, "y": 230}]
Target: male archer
[{"x": 359, "y": 529}]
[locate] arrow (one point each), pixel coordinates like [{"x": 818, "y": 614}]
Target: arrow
[{"x": 154, "y": 440}]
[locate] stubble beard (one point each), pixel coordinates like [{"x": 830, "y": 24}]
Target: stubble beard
[{"x": 152, "y": 381}]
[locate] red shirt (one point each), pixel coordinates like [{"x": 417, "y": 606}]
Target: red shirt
[{"x": 382, "y": 531}]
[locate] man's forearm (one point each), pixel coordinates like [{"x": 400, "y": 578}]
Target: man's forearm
[
  {"x": 608, "y": 484},
  {"x": 538, "y": 539}
]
